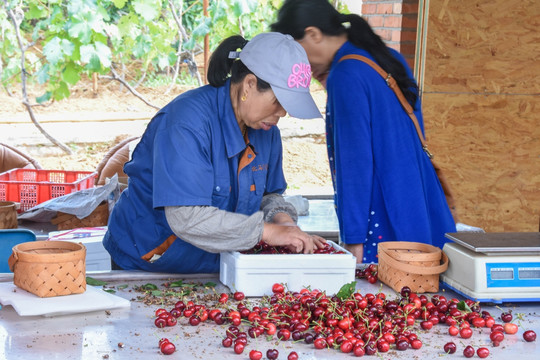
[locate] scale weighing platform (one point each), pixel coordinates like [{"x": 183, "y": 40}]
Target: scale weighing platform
[{"x": 494, "y": 267}]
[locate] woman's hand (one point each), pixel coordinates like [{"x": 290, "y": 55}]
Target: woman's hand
[
  {"x": 292, "y": 237},
  {"x": 357, "y": 250}
]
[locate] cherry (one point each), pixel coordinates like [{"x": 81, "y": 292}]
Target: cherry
[
  {"x": 292, "y": 356},
  {"x": 359, "y": 351},
  {"x": 171, "y": 320},
  {"x": 465, "y": 332},
  {"x": 496, "y": 336},
  {"x": 227, "y": 342},
  {"x": 506, "y": 317},
  {"x": 167, "y": 348},
  {"x": 479, "y": 322},
  {"x": 283, "y": 334},
  {"x": 239, "y": 347},
  {"x": 309, "y": 338},
  {"x": 416, "y": 344},
  {"x": 162, "y": 340},
  {"x": 255, "y": 355},
  {"x": 402, "y": 345},
  {"x": 468, "y": 352},
  {"x": 223, "y": 298},
  {"x": 450, "y": 348},
  {"x": 194, "y": 320},
  {"x": 383, "y": 346},
  {"x": 482, "y": 352},
  {"x": 161, "y": 311},
  {"x": 272, "y": 354},
  {"x": 529, "y": 336},
  {"x": 160, "y": 322},
  {"x": 452, "y": 330},
  {"x": 320, "y": 343},
  {"x": 510, "y": 328},
  {"x": 346, "y": 346},
  {"x": 278, "y": 288},
  {"x": 239, "y": 296},
  {"x": 405, "y": 292},
  {"x": 426, "y": 325}
]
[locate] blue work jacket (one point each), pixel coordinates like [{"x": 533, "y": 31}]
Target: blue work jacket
[{"x": 191, "y": 154}]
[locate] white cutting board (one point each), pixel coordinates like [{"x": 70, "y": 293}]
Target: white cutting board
[{"x": 28, "y": 304}]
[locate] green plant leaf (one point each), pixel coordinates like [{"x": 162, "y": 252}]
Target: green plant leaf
[
  {"x": 119, "y": 3},
  {"x": 40, "y": 100},
  {"x": 148, "y": 9},
  {"x": 71, "y": 74},
  {"x": 346, "y": 290},
  {"x": 149, "y": 286},
  {"x": 35, "y": 11},
  {"x": 110, "y": 291},
  {"x": 462, "y": 306},
  {"x": 94, "y": 282}
]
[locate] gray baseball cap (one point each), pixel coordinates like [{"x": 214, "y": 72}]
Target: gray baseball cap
[{"x": 282, "y": 62}]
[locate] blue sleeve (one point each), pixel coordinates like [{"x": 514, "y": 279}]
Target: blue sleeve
[
  {"x": 353, "y": 152},
  {"x": 275, "y": 182},
  {"x": 183, "y": 172}
]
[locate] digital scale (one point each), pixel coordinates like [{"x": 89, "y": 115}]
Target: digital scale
[{"x": 494, "y": 267}]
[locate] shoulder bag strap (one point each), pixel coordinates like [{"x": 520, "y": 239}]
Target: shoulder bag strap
[{"x": 391, "y": 82}]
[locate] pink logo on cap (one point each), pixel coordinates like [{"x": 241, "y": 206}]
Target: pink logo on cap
[{"x": 300, "y": 76}]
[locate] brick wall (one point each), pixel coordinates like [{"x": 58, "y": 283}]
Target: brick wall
[{"x": 395, "y": 22}]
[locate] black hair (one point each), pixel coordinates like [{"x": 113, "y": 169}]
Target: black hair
[
  {"x": 296, "y": 15},
  {"x": 221, "y": 67}
]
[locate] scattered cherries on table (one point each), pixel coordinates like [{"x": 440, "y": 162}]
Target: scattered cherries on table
[
  {"x": 370, "y": 273},
  {"x": 359, "y": 324}
]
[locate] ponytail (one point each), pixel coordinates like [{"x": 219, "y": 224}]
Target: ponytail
[{"x": 221, "y": 67}]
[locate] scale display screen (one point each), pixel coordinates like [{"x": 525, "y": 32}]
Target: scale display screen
[{"x": 513, "y": 274}]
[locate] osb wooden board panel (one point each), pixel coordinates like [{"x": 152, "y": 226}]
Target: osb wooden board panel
[
  {"x": 481, "y": 98},
  {"x": 483, "y": 46},
  {"x": 489, "y": 148}
]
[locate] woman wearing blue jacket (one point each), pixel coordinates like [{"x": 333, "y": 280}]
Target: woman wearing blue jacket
[
  {"x": 207, "y": 175},
  {"x": 386, "y": 188}
]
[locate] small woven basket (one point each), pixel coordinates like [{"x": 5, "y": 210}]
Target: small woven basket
[
  {"x": 49, "y": 268},
  {"x": 416, "y": 265},
  {"x": 8, "y": 215},
  {"x": 98, "y": 217}
]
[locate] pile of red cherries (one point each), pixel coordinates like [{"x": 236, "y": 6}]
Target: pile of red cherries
[
  {"x": 359, "y": 324},
  {"x": 264, "y": 248}
]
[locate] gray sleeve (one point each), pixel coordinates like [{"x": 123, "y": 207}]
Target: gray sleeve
[
  {"x": 274, "y": 203},
  {"x": 215, "y": 230}
]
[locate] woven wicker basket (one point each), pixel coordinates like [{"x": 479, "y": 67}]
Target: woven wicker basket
[
  {"x": 49, "y": 268},
  {"x": 416, "y": 265},
  {"x": 98, "y": 217},
  {"x": 8, "y": 215}
]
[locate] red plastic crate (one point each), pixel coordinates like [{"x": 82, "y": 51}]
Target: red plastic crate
[{"x": 31, "y": 187}]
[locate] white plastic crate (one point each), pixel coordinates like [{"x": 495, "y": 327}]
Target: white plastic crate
[
  {"x": 254, "y": 274},
  {"x": 97, "y": 258}
]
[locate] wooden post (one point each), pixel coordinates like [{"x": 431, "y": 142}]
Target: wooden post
[{"x": 95, "y": 83}]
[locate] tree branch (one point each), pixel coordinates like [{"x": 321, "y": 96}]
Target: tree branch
[
  {"x": 25, "y": 101},
  {"x": 130, "y": 88},
  {"x": 183, "y": 37}
]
